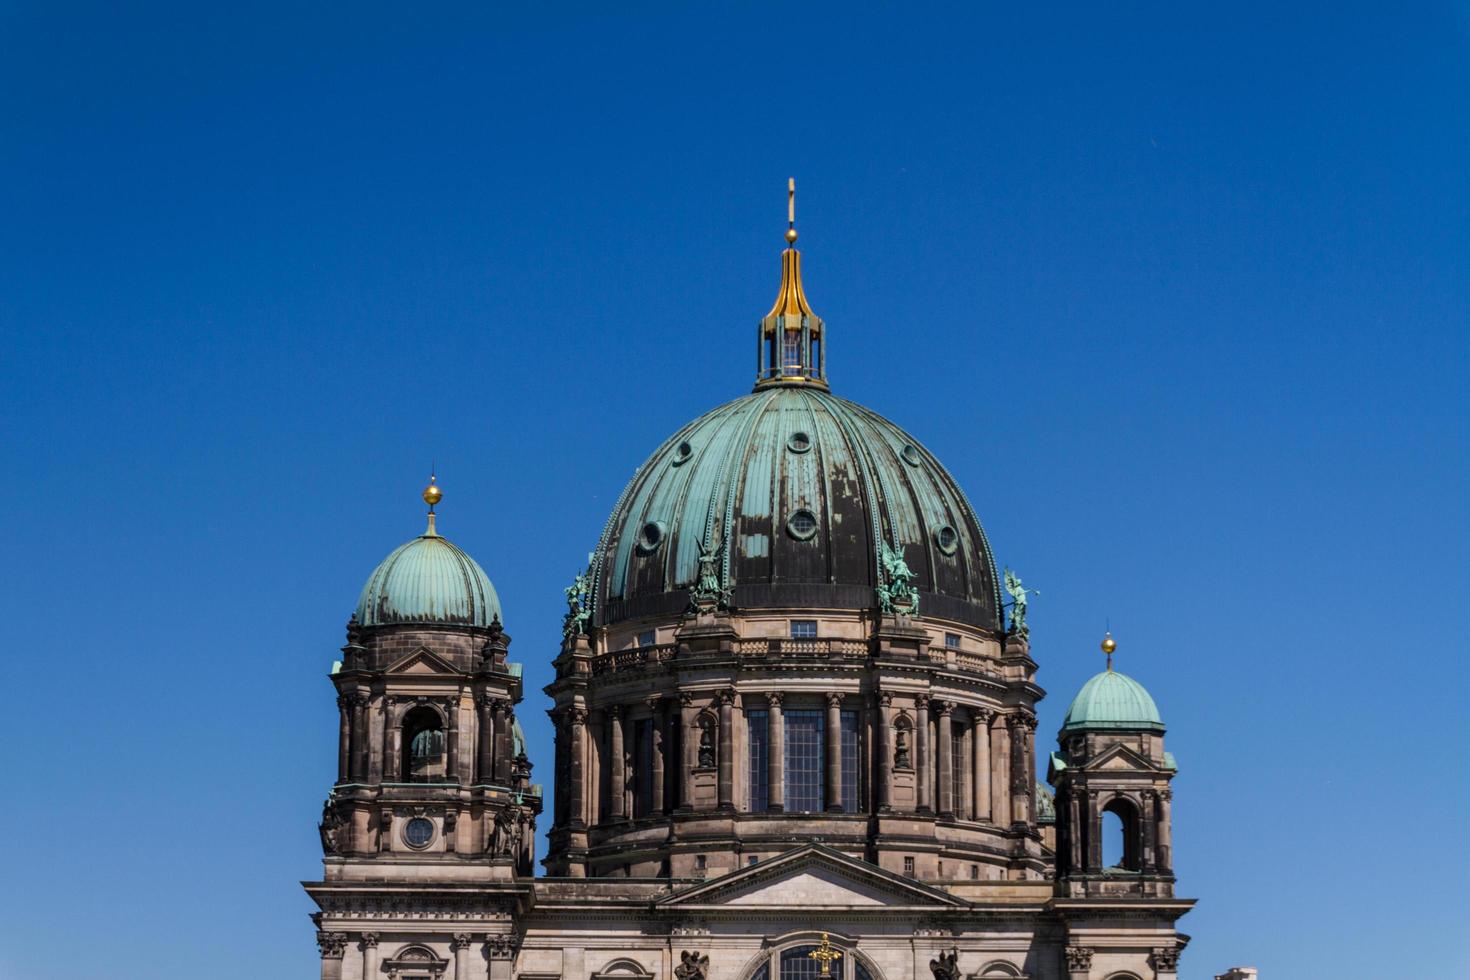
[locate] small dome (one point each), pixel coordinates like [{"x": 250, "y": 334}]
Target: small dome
[
  {"x": 1111, "y": 701},
  {"x": 428, "y": 580}
]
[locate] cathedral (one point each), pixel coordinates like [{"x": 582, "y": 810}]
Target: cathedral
[{"x": 794, "y": 707}]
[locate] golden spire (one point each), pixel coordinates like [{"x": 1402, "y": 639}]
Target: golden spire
[
  {"x": 432, "y": 496},
  {"x": 1108, "y": 646},
  {"x": 792, "y": 340}
]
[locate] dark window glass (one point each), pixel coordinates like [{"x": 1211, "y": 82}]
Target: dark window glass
[
  {"x": 816, "y": 358},
  {"x": 643, "y": 767},
  {"x": 974, "y": 872},
  {"x": 760, "y": 759},
  {"x": 797, "y": 965},
  {"x": 861, "y": 971},
  {"x": 804, "y": 761},
  {"x": 908, "y": 865},
  {"x": 803, "y": 525},
  {"x": 803, "y": 629},
  {"x": 791, "y": 352},
  {"x": 850, "y": 788},
  {"x": 764, "y": 973},
  {"x": 957, "y": 765},
  {"x": 646, "y": 638},
  {"x": 952, "y": 640},
  {"x": 418, "y": 832}
]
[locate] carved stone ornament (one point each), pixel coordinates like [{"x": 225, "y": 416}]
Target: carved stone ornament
[
  {"x": 901, "y": 758},
  {"x": 706, "y": 746},
  {"x": 330, "y": 829},
  {"x": 1165, "y": 959},
  {"x": 370, "y": 940},
  {"x": 693, "y": 965},
  {"x": 946, "y": 966},
  {"x": 331, "y": 944},
  {"x": 462, "y": 940},
  {"x": 1079, "y": 958},
  {"x": 500, "y": 947}
]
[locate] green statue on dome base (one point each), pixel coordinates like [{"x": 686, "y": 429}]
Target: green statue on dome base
[
  {"x": 579, "y": 607},
  {"x": 898, "y": 594},
  {"x": 1018, "y": 594},
  {"x": 709, "y": 593}
]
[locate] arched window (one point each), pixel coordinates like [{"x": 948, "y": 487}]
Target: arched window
[
  {"x": 423, "y": 746},
  {"x": 1120, "y": 835},
  {"x": 797, "y": 964}
]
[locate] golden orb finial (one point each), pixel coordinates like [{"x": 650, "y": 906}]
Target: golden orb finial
[
  {"x": 1108, "y": 646},
  {"x": 432, "y": 495}
]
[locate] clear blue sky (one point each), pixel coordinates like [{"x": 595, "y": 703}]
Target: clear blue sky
[{"x": 1180, "y": 297}]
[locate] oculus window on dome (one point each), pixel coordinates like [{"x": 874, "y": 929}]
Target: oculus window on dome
[
  {"x": 802, "y": 525},
  {"x": 651, "y": 536}
]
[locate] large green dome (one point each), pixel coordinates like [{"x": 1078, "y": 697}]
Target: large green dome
[
  {"x": 796, "y": 490},
  {"x": 1111, "y": 701},
  {"x": 428, "y": 581}
]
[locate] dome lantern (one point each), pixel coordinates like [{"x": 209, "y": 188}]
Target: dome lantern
[{"x": 790, "y": 345}]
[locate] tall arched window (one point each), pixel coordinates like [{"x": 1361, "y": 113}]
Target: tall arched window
[
  {"x": 1121, "y": 844},
  {"x": 797, "y": 964},
  {"x": 423, "y": 746}
]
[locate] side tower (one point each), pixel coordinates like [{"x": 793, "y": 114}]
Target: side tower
[
  {"x": 433, "y": 787},
  {"x": 1111, "y": 769}
]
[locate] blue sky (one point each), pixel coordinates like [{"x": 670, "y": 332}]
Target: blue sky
[{"x": 1179, "y": 296}]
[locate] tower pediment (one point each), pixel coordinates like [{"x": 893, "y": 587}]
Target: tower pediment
[
  {"x": 812, "y": 877},
  {"x": 421, "y": 661}
]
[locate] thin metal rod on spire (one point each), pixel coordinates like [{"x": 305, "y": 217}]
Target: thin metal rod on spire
[{"x": 791, "y": 210}]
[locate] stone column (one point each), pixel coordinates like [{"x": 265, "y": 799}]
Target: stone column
[
  {"x": 332, "y": 945},
  {"x": 980, "y": 753},
  {"x": 1079, "y": 962},
  {"x": 1148, "y": 859},
  {"x": 690, "y": 743},
  {"x": 451, "y": 761},
  {"x": 1019, "y": 792},
  {"x": 387, "y": 771},
  {"x": 1165, "y": 961},
  {"x": 656, "y": 775},
  {"x": 922, "y": 766},
  {"x": 1166, "y": 832},
  {"x": 1074, "y": 828},
  {"x": 964, "y": 765},
  {"x": 885, "y": 751},
  {"x": 727, "y": 750},
  {"x": 501, "y": 744},
  {"x": 359, "y": 738},
  {"x": 832, "y": 767},
  {"x": 485, "y": 742},
  {"x": 776, "y": 753},
  {"x": 462, "y": 941},
  {"x": 576, "y": 769},
  {"x": 344, "y": 738},
  {"x": 370, "y": 956},
  {"x": 617, "y": 764},
  {"x": 1094, "y": 832},
  {"x": 944, "y": 734},
  {"x": 1000, "y": 771}
]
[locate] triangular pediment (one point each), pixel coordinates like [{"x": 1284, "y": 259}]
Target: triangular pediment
[
  {"x": 421, "y": 661},
  {"x": 1120, "y": 758},
  {"x": 810, "y": 877}
]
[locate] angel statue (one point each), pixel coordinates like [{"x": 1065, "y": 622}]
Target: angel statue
[
  {"x": 575, "y": 623},
  {"x": 946, "y": 966},
  {"x": 1018, "y": 594},
  {"x": 898, "y": 591},
  {"x": 709, "y": 592}
]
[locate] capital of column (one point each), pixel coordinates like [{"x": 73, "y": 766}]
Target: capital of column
[
  {"x": 653, "y": 701},
  {"x": 370, "y": 940},
  {"x": 943, "y": 708},
  {"x": 921, "y": 701},
  {"x": 615, "y": 712},
  {"x": 577, "y": 716},
  {"x": 1079, "y": 958},
  {"x": 885, "y": 699},
  {"x": 1165, "y": 959},
  {"x": 1166, "y": 795},
  {"x": 331, "y": 944},
  {"x": 727, "y": 696},
  {"x": 834, "y": 699},
  {"x": 500, "y": 947},
  {"x": 463, "y": 940},
  {"x": 686, "y": 699},
  {"x": 1021, "y": 722},
  {"x": 486, "y": 701},
  {"x": 982, "y": 715},
  {"x": 775, "y": 699}
]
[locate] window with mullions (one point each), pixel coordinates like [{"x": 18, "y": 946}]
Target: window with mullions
[
  {"x": 850, "y": 787},
  {"x": 643, "y": 767},
  {"x": 791, "y": 352},
  {"x": 957, "y": 765},
  {"x": 797, "y": 964},
  {"x": 804, "y": 730},
  {"x": 803, "y": 629},
  {"x": 760, "y": 759}
]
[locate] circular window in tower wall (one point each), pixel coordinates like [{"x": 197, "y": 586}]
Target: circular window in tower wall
[{"x": 418, "y": 832}]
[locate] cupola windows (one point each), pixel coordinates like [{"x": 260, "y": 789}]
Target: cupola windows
[{"x": 423, "y": 747}]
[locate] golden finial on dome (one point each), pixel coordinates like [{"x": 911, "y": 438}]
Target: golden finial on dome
[
  {"x": 790, "y": 210},
  {"x": 432, "y": 496},
  {"x": 1108, "y": 646}
]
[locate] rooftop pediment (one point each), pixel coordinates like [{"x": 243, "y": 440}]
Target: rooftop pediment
[
  {"x": 421, "y": 661},
  {"x": 812, "y": 877}
]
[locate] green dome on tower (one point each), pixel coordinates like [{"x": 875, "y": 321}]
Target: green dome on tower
[
  {"x": 1111, "y": 701},
  {"x": 428, "y": 581}
]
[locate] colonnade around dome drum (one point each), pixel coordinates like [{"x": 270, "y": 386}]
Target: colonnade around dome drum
[{"x": 694, "y": 749}]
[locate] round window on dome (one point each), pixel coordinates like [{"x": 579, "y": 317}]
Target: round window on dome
[
  {"x": 799, "y": 442},
  {"x": 418, "y": 832},
  {"x": 651, "y": 536},
  {"x": 682, "y": 453},
  {"x": 911, "y": 455},
  {"x": 947, "y": 538},
  {"x": 802, "y": 525}
]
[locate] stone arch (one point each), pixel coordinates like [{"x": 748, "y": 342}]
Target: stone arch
[
  {"x": 417, "y": 959},
  {"x": 1130, "y": 815},
  {"x": 623, "y": 968},
  {"x": 999, "y": 970}
]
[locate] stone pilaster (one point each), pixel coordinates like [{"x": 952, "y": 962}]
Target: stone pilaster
[
  {"x": 485, "y": 742},
  {"x": 727, "y": 750},
  {"x": 1165, "y": 961},
  {"x": 370, "y": 955},
  {"x": 451, "y": 761},
  {"x": 980, "y": 756},
  {"x": 944, "y": 735},
  {"x": 344, "y": 738},
  {"x": 832, "y": 770},
  {"x": 776, "y": 751},
  {"x": 1079, "y": 962},
  {"x": 923, "y": 765},
  {"x": 617, "y": 763},
  {"x": 885, "y": 751},
  {"x": 576, "y": 770},
  {"x": 461, "y": 944},
  {"x": 332, "y": 946},
  {"x": 656, "y": 732}
]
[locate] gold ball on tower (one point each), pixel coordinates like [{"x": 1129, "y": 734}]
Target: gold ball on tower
[
  {"x": 432, "y": 493},
  {"x": 791, "y": 236},
  {"x": 1109, "y": 644}
]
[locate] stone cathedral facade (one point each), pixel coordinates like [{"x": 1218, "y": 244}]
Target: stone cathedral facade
[{"x": 795, "y": 737}]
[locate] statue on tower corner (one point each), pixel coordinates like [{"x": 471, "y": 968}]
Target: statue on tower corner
[
  {"x": 578, "y": 611},
  {"x": 1018, "y": 594},
  {"x": 946, "y": 966}
]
